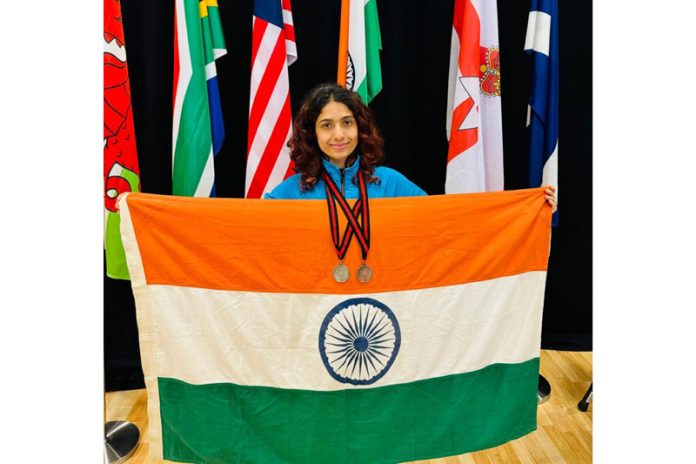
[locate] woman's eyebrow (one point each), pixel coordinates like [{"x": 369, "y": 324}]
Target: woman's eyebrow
[{"x": 341, "y": 118}]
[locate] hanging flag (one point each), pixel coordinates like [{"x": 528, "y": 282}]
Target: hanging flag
[
  {"x": 542, "y": 112},
  {"x": 360, "y": 42},
  {"x": 198, "y": 130},
  {"x": 474, "y": 124},
  {"x": 252, "y": 352},
  {"x": 273, "y": 49},
  {"x": 121, "y": 172}
]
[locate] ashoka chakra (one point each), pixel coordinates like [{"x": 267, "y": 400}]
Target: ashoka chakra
[{"x": 359, "y": 340}]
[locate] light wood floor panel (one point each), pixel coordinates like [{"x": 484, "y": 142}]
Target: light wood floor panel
[{"x": 563, "y": 436}]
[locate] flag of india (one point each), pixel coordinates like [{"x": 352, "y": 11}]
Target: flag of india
[
  {"x": 253, "y": 353},
  {"x": 360, "y": 42}
]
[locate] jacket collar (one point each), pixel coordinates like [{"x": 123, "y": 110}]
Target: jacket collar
[{"x": 335, "y": 172}]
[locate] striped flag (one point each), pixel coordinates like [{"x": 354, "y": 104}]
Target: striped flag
[
  {"x": 198, "y": 129},
  {"x": 252, "y": 352},
  {"x": 270, "y": 118},
  {"x": 360, "y": 42},
  {"x": 121, "y": 173},
  {"x": 474, "y": 124},
  {"x": 542, "y": 112}
]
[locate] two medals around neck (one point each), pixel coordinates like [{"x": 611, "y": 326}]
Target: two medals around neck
[{"x": 358, "y": 225}]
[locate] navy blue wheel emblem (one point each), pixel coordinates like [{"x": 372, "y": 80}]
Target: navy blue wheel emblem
[{"x": 359, "y": 340}]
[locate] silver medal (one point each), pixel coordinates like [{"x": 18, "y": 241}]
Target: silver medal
[{"x": 341, "y": 273}]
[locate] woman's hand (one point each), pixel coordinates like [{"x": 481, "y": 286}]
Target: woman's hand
[
  {"x": 551, "y": 198},
  {"x": 118, "y": 199}
]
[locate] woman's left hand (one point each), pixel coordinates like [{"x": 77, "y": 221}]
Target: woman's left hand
[{"x": 551, "y": 198}]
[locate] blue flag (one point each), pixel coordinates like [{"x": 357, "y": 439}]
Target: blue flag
[{"x": 542, "y": 114}]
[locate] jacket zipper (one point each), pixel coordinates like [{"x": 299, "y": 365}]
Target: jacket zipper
[{"x": 343, "y": 183}]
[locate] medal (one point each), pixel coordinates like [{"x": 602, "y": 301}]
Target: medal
[
  {"x": 364, "y": 273},
  {"x": 341, "y": 273},
  {"x": 358, "y": 225}
]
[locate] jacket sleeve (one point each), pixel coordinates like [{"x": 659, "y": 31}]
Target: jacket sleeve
[
  {"x": 289, "y": 189},
  {"x": 399, "y": 185}
]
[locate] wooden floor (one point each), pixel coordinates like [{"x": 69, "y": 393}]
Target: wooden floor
[{"x": 564, "y": 433}]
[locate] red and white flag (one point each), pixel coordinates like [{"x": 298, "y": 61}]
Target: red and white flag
[
  {"x": 270, "y": 118},
  {"x": 474, "y": 125}
]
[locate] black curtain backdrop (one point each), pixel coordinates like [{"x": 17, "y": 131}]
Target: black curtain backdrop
[{"x": 410, "y": 111}]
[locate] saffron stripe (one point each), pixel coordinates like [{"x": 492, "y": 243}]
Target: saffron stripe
[
  {"x": 333, "y": 218},
  {"x": 343, "y": 43},
  {"x": 301, "y": 225}
]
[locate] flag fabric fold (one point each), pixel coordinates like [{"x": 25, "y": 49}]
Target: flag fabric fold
[
  {"x": 251, "y": 350},
  {"x": 474, "y": 121},
  {"x": 360, "y": 43},
  {"x": 270, "y": 117},
  {"x": 542, "y": 113},
  {"x": 121, "y": 173},
  {"x": 198, "y": 129}
]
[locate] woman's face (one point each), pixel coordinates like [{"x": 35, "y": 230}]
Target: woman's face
[{"x": 337, "y": 132}]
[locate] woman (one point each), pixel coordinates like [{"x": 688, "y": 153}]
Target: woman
[{"x": 336, "y": 132}]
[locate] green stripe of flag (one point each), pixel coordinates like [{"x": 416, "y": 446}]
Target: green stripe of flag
[
  {"x": 373, "y": 45},
  {"x": 217, "y": 35},
  {"x": 442, "y": 416},
  {"x": 207, "y": 40}
]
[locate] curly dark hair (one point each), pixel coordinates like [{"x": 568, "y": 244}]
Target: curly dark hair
[{"x": 303, "y": 144}]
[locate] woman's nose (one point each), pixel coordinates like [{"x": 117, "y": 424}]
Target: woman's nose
[{"x": 338, "y": 134}]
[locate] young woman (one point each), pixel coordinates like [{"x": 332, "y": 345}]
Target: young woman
[{"x": 336, "y": 132}]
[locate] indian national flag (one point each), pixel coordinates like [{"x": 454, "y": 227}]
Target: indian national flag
[
  {"x": 252, "y": 353},
  {"x": 359, "y": 45}
]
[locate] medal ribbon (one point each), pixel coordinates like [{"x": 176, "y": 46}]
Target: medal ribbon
[{"x": 359, "y": 213}]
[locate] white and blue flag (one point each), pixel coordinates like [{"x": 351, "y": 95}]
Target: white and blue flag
[{"x": 542, "y": 113}]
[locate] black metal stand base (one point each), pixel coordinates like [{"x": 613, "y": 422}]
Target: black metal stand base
[
  {"x": 586, "y": 400},
  {"x": 544, "y": 390},
  {"x": 120, "y": 441}
]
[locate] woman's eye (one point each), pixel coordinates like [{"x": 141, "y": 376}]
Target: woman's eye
[{"x": 347, "y": 122}]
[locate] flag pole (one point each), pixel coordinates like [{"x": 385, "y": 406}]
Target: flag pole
[{"x": 543, "y": 390}]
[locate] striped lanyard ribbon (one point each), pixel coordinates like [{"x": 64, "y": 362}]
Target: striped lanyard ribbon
[{"x": 358, "y": 217}]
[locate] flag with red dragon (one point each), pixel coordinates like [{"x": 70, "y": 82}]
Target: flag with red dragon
[{"x": 121, "y": 173}]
